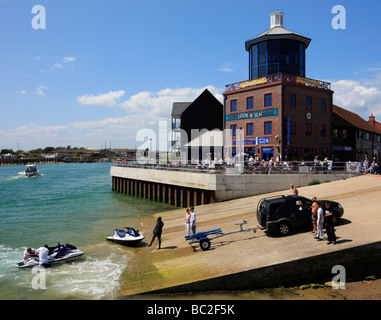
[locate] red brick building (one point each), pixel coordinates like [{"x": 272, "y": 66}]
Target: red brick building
[{"x": 278, "y": 112}]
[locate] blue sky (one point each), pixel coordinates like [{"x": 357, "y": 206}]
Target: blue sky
[{"x": 103, "y": 70}]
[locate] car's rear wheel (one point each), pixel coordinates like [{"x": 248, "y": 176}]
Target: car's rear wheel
[{"x": 284, "y": 228}]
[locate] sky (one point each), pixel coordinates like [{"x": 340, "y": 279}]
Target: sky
[{"x": 103, "y": 73}]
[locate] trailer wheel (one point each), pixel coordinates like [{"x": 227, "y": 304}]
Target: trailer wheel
[{"x": 204, "y": 244}]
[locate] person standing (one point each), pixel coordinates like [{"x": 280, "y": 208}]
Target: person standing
[
  {"x": 193, "y": 220},
  {"x": 314, "y": 209},
  {"x": 187, "y": 222},
  {"x": 329, "y": 226},
  {"x": 42, "y": 254},
  {"x": 157, "y": 232},
  {"x": 320, "y": 223}
]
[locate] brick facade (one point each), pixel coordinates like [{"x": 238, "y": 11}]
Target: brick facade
[{"x": 289, "y": 114}]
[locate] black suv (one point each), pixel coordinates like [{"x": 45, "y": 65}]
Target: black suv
[{"x": 281, "y": 214}]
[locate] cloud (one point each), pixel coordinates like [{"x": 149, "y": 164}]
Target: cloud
[
  {"x": 68, "y": 59},
  {"x": 227, "y": 67},
  {"x": 22, "y": 92},
  {"x": 144, "y": 110},
  {"x": 104, "y": 100},
  {"x": 56, "y": 66},
  {"x": 40, "y": 90},
  {"x": 362, "y": 99},
  {"x": 160, "y": 103}
]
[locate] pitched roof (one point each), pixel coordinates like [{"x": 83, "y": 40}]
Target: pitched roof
[
  {"x": 354, "y": 119},
  {"x": 179, "y": 107}
]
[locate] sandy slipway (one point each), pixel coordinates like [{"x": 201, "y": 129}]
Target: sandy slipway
[{"x": 245, "y": 261}]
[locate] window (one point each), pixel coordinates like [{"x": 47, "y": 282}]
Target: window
[
  {"x": 344, "y": 133},
  {"x": 249, "y": 129},
  {"x": 293, "y": 100},
  {"x": 323, "y": 130},
  {"x": 233, "y": 105},
  {"x": 268, "y": 100},
  {"x": 308, "y": 102},
  {"x": 268, "y": 128},
  {"x": 367, "y": 136},
  {"x": 323, "y": 105},
  {"x": 249, "y": 103},
  {"x": 233, "y": 129},
  {"x": 335, "y": 132},
  {"x": 292, "y": 128},
  {"x": 308, "y": 129}
]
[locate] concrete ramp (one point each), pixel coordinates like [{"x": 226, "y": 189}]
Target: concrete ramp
[{"x": 253, "y": 260}]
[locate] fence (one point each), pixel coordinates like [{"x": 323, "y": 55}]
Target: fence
[{"x": 260, "y": 167}]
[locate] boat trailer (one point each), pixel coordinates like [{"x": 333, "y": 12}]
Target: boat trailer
[{"x": 204, "y": 241}]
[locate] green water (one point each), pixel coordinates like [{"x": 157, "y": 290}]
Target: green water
[{"x": 68, "y": 203}]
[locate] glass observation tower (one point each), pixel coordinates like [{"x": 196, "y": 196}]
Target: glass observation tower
[{"x": 277, "y": 50}]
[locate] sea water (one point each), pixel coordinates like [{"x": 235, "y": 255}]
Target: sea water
[{"x": 68, "y": 203}]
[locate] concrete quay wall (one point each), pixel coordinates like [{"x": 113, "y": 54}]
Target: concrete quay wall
[{"x": 183, "y": 189}]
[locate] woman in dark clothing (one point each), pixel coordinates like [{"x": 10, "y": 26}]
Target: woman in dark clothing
[{"x": 157, "y": 231}]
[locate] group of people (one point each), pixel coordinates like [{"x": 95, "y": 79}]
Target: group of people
[
  {"x": 42, "y": 253},
  {"x": 190, "y": 226},
  {"x": 321, "y": 218}
]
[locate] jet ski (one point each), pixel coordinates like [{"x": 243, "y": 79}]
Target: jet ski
[
  {"x": 130, "y": 237},
  {"x": 57, "y": 254}
]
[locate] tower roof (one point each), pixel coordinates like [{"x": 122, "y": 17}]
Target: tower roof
[{"x": 276, "y": 31}]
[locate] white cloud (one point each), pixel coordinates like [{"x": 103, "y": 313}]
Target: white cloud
[
  {"x": 143, "y": 110},
  {"x": 56, "y": 66},
  {"x": 68, "y": 59},
  {"x": 160, "y": 103},
  {"x": 105, "y": 100},
  {"x": 362, "y": 99},
  {"x": 227, "y": 67},
  {"x": 22, "y": 92},
  {"x": 40, "y": 90}
]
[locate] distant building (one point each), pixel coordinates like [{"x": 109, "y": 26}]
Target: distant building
[
  {"x": 190, "y": 119},
  {"x": 355, "y": 139}
]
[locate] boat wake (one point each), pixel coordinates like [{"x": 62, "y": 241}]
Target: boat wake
[{"x": 94, "y": 276}]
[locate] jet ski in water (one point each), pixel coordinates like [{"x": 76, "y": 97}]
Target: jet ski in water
[
  {"x": 130, "y": 238},
  {"x": 57, "y": 254}
]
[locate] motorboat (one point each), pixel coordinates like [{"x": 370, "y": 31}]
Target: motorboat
[
  {"x": 57, "y": 254},
  {"x": 30, "y": 171},
  {"x": 130, "y": 237}
]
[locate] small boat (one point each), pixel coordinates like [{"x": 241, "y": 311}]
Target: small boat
[
  {"x": 130, "y": 237},
  {"x": 57, "y": 254},
  {"x": 30, "y": 171}
]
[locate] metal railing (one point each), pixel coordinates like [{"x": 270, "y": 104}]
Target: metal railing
[
  {"x": 278, "y": 77},
  {"x": 255, "y": 167}
]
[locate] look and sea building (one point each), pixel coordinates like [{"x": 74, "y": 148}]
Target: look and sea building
[{"x": 277, "y": 113}]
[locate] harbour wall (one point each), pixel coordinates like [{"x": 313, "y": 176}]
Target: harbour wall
[{"x": 182, "y": 189}]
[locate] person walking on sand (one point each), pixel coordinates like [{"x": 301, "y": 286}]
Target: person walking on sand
[
  {"x": 329, "y": 227},
  {"x": 193, "y": 220},
  {"x": 320, "y": 223},
  {"x": 187, "y": 222},
  {"x": 157, "y": 232},
  {"x": 314, "y": 209}
]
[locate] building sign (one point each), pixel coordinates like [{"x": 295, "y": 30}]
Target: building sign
[
  {"x": 308, "y": 82},
  {"x": 251, "y": 141},
  {"x": 252, "y": 114},
  {"x": 353, "y": 167},
  {"x": 253, "y": 82}
]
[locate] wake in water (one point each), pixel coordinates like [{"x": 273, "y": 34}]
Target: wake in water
[{"x": 94, "y": 276}]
